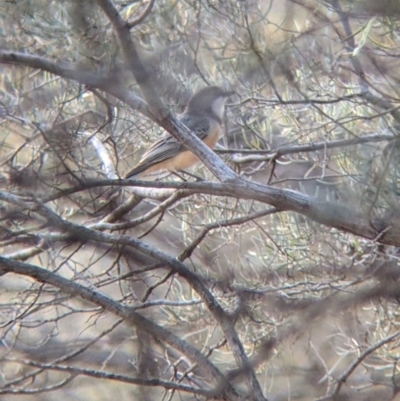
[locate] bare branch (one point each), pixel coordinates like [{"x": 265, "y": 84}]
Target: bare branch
[
  {"x": 75, "y": 289},
  {"x": 144, "y": 15},
  {"x": 65, "y": 70},
  {"x": 76, "y": 371},
  {"x": 162, "y": 115}
]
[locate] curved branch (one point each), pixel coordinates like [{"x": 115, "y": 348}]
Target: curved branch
[
  {"x": 224, "y": 320},
  {"x": 266, "y": 155},
  {"x": 76, "y": 371},
  {"x": 144, "y": 15},
  {"x": 342, "y": 379},
  {"x": 327, "y": 213},
  {"x": 87, "y": 234},
  {"x": 162, "y": 115},
  {"x": 74, "y": 289},
  {"x": 62, "y": 69},
  {"x": 106, "y": 83}
]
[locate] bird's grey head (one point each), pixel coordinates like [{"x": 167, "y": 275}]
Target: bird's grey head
[{"x": 209, "y": 101}]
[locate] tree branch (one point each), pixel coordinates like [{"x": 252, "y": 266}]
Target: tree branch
[
  {"x": 74, "y": 289},
  {"x": 273, "y": 154},
  {"x": 224, "y": 320},
  {"x": 162, "y": 115},
  {"x": 107, "y": 83},
  {"x": 144, "y": 15},
  {"x": 327, "y": 213},
  {"x": 76, "y": 371}
]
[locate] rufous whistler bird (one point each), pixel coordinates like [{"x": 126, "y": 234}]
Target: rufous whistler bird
[{"x": 203, "y": 116}]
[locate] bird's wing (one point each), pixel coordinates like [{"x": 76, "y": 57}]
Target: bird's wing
[
  {"x": 199, "y": 125},
  {"x": 167, "y": 146}
]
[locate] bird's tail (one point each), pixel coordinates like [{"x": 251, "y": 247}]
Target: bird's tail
[{"x": 136, "y": 172}]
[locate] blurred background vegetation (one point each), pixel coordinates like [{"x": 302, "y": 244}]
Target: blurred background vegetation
[{"x": 303, "y": 296}]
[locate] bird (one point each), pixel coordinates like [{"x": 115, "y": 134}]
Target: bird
[{"x": 203, "y": 115}]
